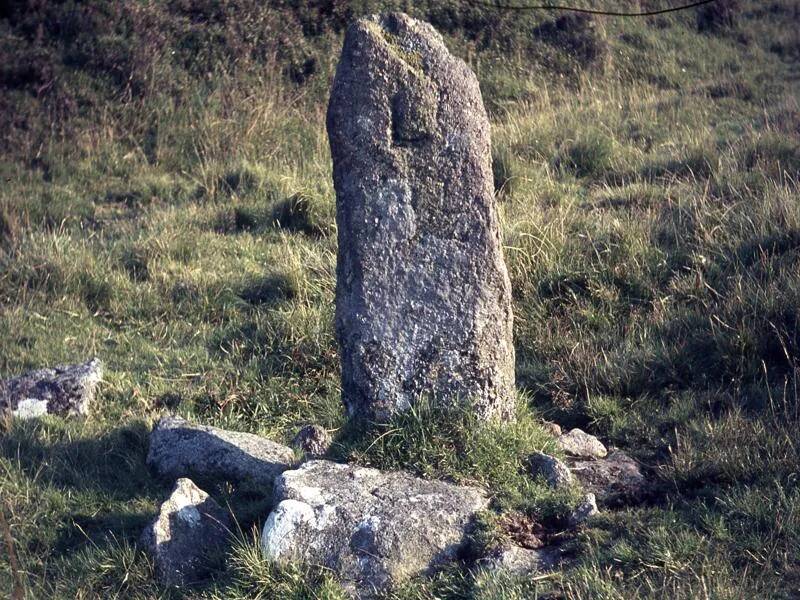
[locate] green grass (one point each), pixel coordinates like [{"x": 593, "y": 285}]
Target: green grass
[{"x": 167, "y": 205}]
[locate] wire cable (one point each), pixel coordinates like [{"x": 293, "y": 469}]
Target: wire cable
[{"x": 590, "y": 11}]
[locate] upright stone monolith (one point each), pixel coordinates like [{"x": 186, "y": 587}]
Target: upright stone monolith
[{"x": 423, "y": 299}]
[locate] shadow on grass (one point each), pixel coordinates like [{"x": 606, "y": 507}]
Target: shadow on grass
[
  {"x": 112, "y": 464},
  {"x": 269, "y": 290},
  {"x": 106, "y": 493}
]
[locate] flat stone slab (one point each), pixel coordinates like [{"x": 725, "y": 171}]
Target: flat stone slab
[
  {"x": 179, "y": 448},
  {"x": 373, "y": 529},
  {"x": 188, "y": 535},
  {"x": 423, "y": 298},
  {"x": 64, "y": 390},
  {"x": 581, "y": 444},
  {"x": 614, "y": 479}
]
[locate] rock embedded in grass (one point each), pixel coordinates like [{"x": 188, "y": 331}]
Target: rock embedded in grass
[
  {"x": 585, "y": 510},
  {"x": 615, "y": 479},
  {"x": 312, "y": 440},
  {"x": 188, "y": 536},
  {"x": 423, "y": 298},
  {"x": 373, "y": 529},
  {"x": 552, "y": 428},
  {"x": 179, "y": 448},
  {"x": 581, "y": 444},
  {"x": 554, "y": 471},
  {"x": 64, "y": 390},
  {"x": 523, "y": 561}
]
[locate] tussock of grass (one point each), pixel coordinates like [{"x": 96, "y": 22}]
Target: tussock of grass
[{"x": 436, "y": 442}]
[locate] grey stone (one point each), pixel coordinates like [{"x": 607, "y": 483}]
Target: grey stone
[
  {"x": 587, "y": 508},
  {"x": 423, "y": 299},
  {"x": 553, "y": 428},
  {"x": 188, "y": 535},
  {"x": 555, "y": 472},
  {"x": 312, "y": 440},
  {"x": 63, "y": 390},
  {"x": 181, "y": 449},
  {"x": 581, "y": 444},
  {"x": 614, "y": 479},
  {"x": 523, "y": 561},
  {"x": 373, "y": 529}
]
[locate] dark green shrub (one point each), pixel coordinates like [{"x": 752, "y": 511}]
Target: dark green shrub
[
  {"x": 301, "y": 213},
  {"x": 270, "y": 290},
  {"x": 717, "y": 16},
  {"x": 587, "y": 156}
]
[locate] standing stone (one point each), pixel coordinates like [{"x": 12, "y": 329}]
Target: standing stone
[{"x": 423, "y": 299}]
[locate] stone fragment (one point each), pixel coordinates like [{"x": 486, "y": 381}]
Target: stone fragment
[
  {"x": 188, "y": 535},
  {"x": 423, "y": 299},
  {"x": 373, "y": 529},
  {"x": 587, "y": 508},
  {"x": 312, "y": 440},
  {"x": 523, "y": 561},
  {"x": 179, "y": 448},
  {"x": 64, "y": 390},
  {"x": 615, "y": 479},
  {"x": 555, "y": 472},
  {"x": 581, "y": 444},
  {"x": 553, "y": 428}
]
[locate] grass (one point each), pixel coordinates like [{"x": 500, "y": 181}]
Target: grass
[{"x": 168, "y": 207}]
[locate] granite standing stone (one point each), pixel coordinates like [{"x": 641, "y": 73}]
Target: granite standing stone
[{"x": 423, "y": 299}]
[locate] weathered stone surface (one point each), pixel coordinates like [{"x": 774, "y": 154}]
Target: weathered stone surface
[
  {"x": 523, "y": 561},
  {"x": 188, "y": 534},
  {"x": 181, "y": 449},
  {"x": 614, "y": 479},
  {"x": 373, "y": 529},
  {"x": 555, "y": 472},
  {"x": 423, "y": 299},
  {"x": 581, "y": 444},
  {"x": 553, "y": 428},
  {"x": 312, "y": 440},
  {"x": 63, "y": 390},
  {"x": 587, "y": 508}
]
